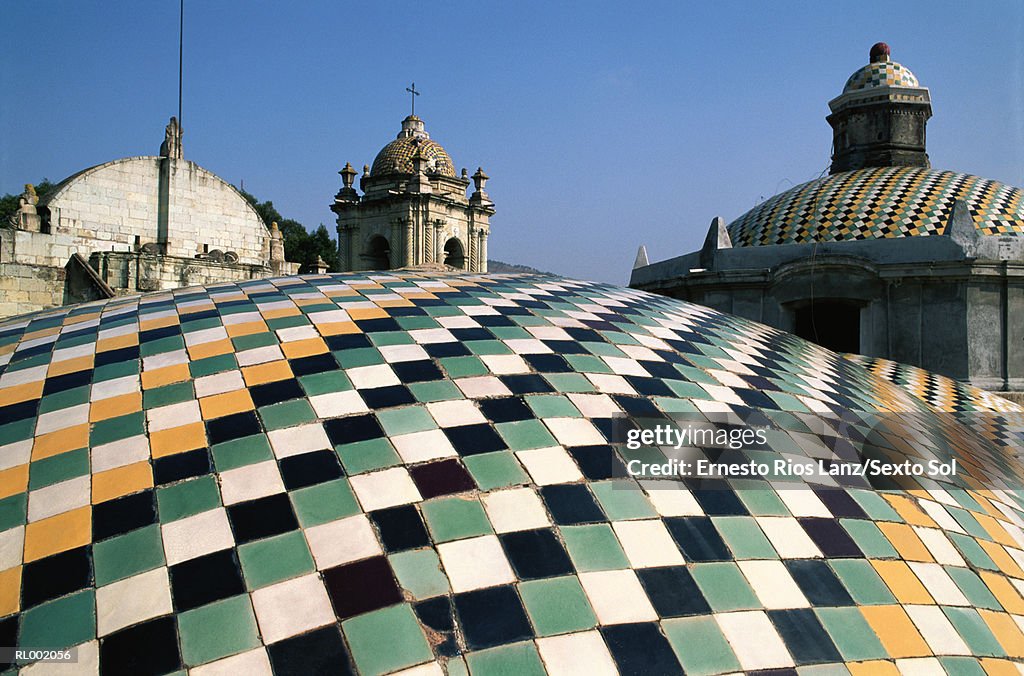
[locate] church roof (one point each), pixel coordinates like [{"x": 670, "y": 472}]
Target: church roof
[
  {"x": 371, "y": 472},
  {"x": 881, "y": 74},
  {"x": 879, "y": 202},
  {"x": 397, "y": 156}
]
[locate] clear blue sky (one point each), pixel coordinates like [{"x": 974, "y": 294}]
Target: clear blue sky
[{"x": 603, "y": 126}]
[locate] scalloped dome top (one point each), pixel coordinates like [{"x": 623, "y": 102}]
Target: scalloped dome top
[
  {"x": 881, "y": 74},
  {"x": 396, "y": 157}
]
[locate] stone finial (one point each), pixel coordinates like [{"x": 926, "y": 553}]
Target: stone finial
[
  {"x": 641, "y": 258},
  {"x": 276, "y": 249},
  {"x": 171, "y": 147},
  {"x": 717, "y": 238},
  {"x": 320, "y": 265},
  {"x": 366, "y": 171},
  {"x": 465, "y": 174},
  {"x": 347, "y": 192},
  {"x": 348, "y": 174},
  {"x": 961, "y": 228},
  {"x": 27, "y": 217},
  {"x": 479, "y": 195},
  {"x": 879, "y": 52}
]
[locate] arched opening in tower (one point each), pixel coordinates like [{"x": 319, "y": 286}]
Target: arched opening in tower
[
  {"x": 834, "y": 324},
  {"x": 454, "y": 254},
  {"x": 378, "y": 254}
]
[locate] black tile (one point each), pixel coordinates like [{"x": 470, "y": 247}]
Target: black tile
[
  {"x": 598, "y": 462},
  {"x": 117, "y": 356},
  {"x": 307, "y": 469},
  {"x": 55, "y": 576},
  {"x": 146, "y": 649},
  {"x": 641, "y": 649},
  {"x": 400, "y": 528},
  {"x": 536, "y": 553},
  {"x": 716, "y": 498},
  {"x": 697, "y": 538},
  {"x": 357, "y": 588},
  {"x": 806, "y": 639},
  {"x": 262, "y": 518},
  {"x": 505, "y": 409},
  {"x": 832, "y": 540},
  {"x": 755, "y": 399},
  {"x": 819, "y": 584},
  {"x": 417, "y": 371},
  {"x": 372, "y": 326},
  {"x": 437, "y": 615},
  {"x": 384, "y": 397},
  {"x": 662, "y": 369},
  {"x": 469, "y": 335},
  {"x": 353, "y": 428},
  {"x": 20, "y": 411},
  {"x": 840, "y": 503},
  {"x": 234, "y": 426},
  {"x": 529, "y": 383},
  {"x": 157, "y": 334},
  {"x": 571, "y": 504},
  {"x": 67, "y": 382},
  {"x": 547, "y": 363},
  {"x": 566, "y": 347},
  {"x": 492, "y": 617},
  {"x": 650, "y": 387},
  {"x": 276, "y": 392},
  {"x": 441, "y": 350},
  {"x": 8, "y": 636},
  {"x": 205, "y": 579},
  {"x": 441, "y": 478},
  {"x": 474, "y": 439},
  {"x": 638, "y": 407},
  {"x": 494, "y": 320},
  {"x": 171, "y": 468},
  {"x": 319, "y": 652},
  {"x": 124, "y": 514},
  {"x": 317, "y": 363},
  {"x": 673, "y": 592},
  {"x": 347, "y": 341}
]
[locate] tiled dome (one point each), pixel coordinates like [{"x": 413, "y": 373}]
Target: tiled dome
[
  {"x": 879, "y": 202},
  {"x": 381, "y": 473},
  {"x": 396, "y": 157},
  {"x": 881, "y": 74}
]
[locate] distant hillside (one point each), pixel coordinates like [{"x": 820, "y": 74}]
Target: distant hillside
[{"x": 501, "y": 266}]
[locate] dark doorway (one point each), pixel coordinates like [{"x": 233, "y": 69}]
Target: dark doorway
[
  {"x": 834, "y": 324},
  {"x": 454, "y": 254},
  {"x": 378, "y": 255}
]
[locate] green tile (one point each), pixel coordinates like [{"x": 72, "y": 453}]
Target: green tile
[
  {"x": 552, "y": 406},
  {"x": 324, "y": 383},
  {"x": 862, "y": 582},
  {"x": 463, "y": 367},
  {"x": 569, "y": 382},
  {"x": 286, "y": 414},
  {"x": 240, "y": 452},
  {"x": 487, "y": 347},
  {"x": 406, "y": 420},
  {"x": 602, "y": 349},
  {"x": 674, "y": 405},
  {"x": 168, "y": 394},
  {"x": 585, "y": 363},
  {"x": 129, "y": 367},
  {"x": 506, "y": 660},
  {"x": 416, "y": 322},
  {"x": 161, "y": 345},
  {"x": 125, "y": 555},
  {"x": 115, "y": 429},
  {"x": 455, "y": 518},
  {"x": 365, "y": 456},
  {"x": 972, "y": 551},
  {"x": 495, "y": 470},
  {"x": 324, "y": 502},
  {"x": 386, "y": 640},
  {"x": 525, "y": 434},
  {"x": 759, "y": 500},
  {"x": 419, "y": 572},
  {"x": 13, "y": 511},
  {"x": 870, "y": 540},
  {"x": 435, "y": 390},
  {"x": 286, "y": 322},
  {"x": 974, "y": 631},
  {"x": 217, "y": 630},
  {"x": 187, "y": 498},
  {"x": 65, "y": 399},
  {"x": 700, "y": 646},
  {"x": 724, "y": 586},
  {"x": 189, "y": 326},
  {"x": 274, "y": 559},
  {"x": 744, "y": 537},
  {"x": 852, "y": 634},
  {"x": 969, "y": 523},
  {"x": 509, "y": 332},
  {"x": 58, "y": 468},
  {"x": 875, "y": 505},
  {"x": 17, "y": 431},
  {"x": 962, "y": 666},
  {"x": 623, "y": 499},
  {"x": 974, "y": 589},
  {"x": 60, "y": 624},
  {"x": 391, "y": 338},
  {"x": 557, "y": 605},
  {"x": 594, "y": 547},
  {"x": 359, "y": 356},
  {"x": 253, "y": 340}
]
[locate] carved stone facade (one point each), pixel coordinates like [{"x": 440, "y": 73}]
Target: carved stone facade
[{"x": 414, "y": 210}]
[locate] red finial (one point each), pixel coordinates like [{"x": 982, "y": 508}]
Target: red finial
[{"x": 879, "y": 52}]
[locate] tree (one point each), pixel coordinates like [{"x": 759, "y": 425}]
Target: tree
[{"x": 299, "y": 245}]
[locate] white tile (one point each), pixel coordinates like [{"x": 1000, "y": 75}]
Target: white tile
[
  {"x": 788, "y": 538},
  {"x": 335, "y": 404},
  {"x": 802, "y": 502},
  {"x": 219, "y": 383},
  {"x": 773, "y": 584},
  {"x": 647, "y": 543},
  {"x": 595, "y": 405},
  {"x": 209, "y": 335},
  {"x": 259, "y": 355},
  {"x": 387, "y": 488},
  {"x": 394, "y": 354},
  {"x": 576, "y": 654},
  {"x": 458, "y": 322},
  {"x": 251, "y": 663},
  {"x": 505, "y": 364},
  {"x": 196, "y": 535},
  {"x": 920, "y": 666},
  {"x": 939, "y": 584},
  {"x": 626, "y": 367},
  {"x": 173, "y": 415},
  {"x": 549, "y": 333},
  {"x": 672, "y": 499},
  {"x": 59, "y": 498},
  {"x": 293, "y": 333},
  {"x": 527, "y": 346},
  {"x": 939, "y": 546},
  {"x": 75, "y": 352},
  {"x": 250, "y": 482},
  {"x": 617, "y": 597},
  {"x": 574, "y": 431},
  {"x": 134, "y": 599},
  {"x": 550, "y": 465},
  {"x": 292, "y": 607},
  {"x": 369, "y": 377},
  {"x": 515, "y": 509},
  {"x": 18, "y": 453},
  {"x": 342, "y": 541},
  {"x": 428, "y": 669},
  {"x": 62, "y": 419},
  {"x": 12, "y": 545},
  {"x": 482, "y": 386},
  {"x": 754, "y": 640},
  {"x": 164, "y": 359},
  {"x": 937, "y": 631},
  {"x": 120, "y": 453},
  {"x": 422, "y": 446},
  {"x": 456, "y": 413},
  {"x": 87, "y": 663},
  {"x": 610, "y": 383},
  {"x": 299, "y": 439},
  {"x": 432, "y": 336},
  {"x": 475, "y": 563},
  {"x": 939, "y": 514}
]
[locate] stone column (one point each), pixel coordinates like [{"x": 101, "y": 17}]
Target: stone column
[
  {"x": 483, "y": 251},
  {"x": 438, "y": 241},
  {"x": 410, "y": 245},
  {"x": 394, "y": 258}
]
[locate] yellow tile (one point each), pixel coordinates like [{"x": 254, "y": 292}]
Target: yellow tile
[
  {"x": 177, "y": 440},
  {"x": 158, "y": 323},
  {"x": 13, "y": 480},
  {"x": 10, "y": 591},
  {"x": 58, "y": 533},
  {"x": 61, "y": 441},
  {"x": 165, "y": 376},
  {"x": 394, "y": 302},
  {"x": 246, "y": 328},
  {"x": 211, "y": 349},
  {"x": 78, "y": 319},
  {"x": 909, "y": 510},
  {"x": 192, "y": 309},
  {"x": 219, "y": 405},
  {"x": 1005, "y": 593},
  {"x": 60, "y": 368},
  {"x": 873, "y": 668},
  {"x": 905, "y": 586},
  {"x": 995, "y": 667},
  {"x": 280, "y": 312},
  {"x": 42, "y": 333},
  {"x": 304, "y": 348},
  {"x": 20, "y": 393},
  {"x": 117, "y": 342},
  {"x": 266, "y": 373},
  {"x": 337, "y": 328},
  {"x": 359, "y": 313},
  {"x": 123, "y": 404},
  {"x": 121, "y": 481},
  {"x": 1006, "y": 631},
  {"x": 1002, "y": 559},
  {"x": 898, "y": 635},
  {"x": 995, "y": 529},
  {"x": 905, "y": 540}
]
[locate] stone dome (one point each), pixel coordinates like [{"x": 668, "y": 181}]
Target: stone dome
[
  {"x": 375, "y": 473},
  {"x": 879, "y": 202},
  {"x": 396, "y": 157},
  {"x": 881, "y": 74}
]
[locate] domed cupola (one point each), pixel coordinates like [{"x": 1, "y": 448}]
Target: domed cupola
[
  {"x": 879, "y": 120},
  {"x": 397, "y": 156}
]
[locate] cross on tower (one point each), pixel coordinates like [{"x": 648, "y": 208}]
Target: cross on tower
[{"x": 413, "y": 94}]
